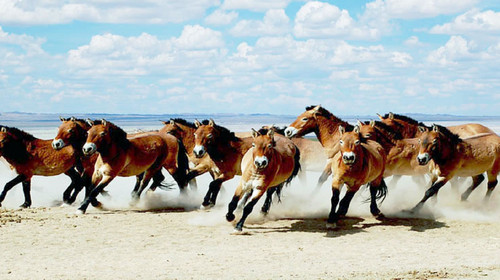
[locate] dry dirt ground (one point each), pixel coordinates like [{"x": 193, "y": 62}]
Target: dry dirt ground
[{"x": 53, "y": 243}]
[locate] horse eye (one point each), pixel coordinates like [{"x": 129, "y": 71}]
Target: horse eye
[
  {"x": 357, "y": 142},
  {"x": 253, "y": 145},
  {"x": 269, "y": 145},
  {"x": 419, "y": 141},
  {"x": 304, "y": 119},
  {"x": 434, "y": 141},
  {"x": 368, "y": 135},
  {"x": 341, "y": 142},
  {"x": 70, "y": 130},
  {"x": 102, "y": 133},
  {"x": 209, "y": 136}
]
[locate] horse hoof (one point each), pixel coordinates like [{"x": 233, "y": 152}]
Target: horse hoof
[
  {"x": 230, "y": 217},
  {"x": 330, "y": 226},
  {"x": 237, "y": 231},
  {"x": 24, "y": 206},
  {"x": 79, "y": 212},
  {"x": 380, "y": 217},
  {"x": 206, "y": 207},
  {"x": 64, "y": 205}
]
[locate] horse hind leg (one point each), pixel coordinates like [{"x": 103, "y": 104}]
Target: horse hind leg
[
  {"x": 247, "y": 210},
  {"x": 268, "y": 201},
  {"x": 492, "y": 183},
  {"x": 27, "y": 194},
  {"x": 18, "y": 179},
  {"x": 71, "y": 192},
  {"x": 476, "y": 181},
  {"x": 211, "y": 196}
]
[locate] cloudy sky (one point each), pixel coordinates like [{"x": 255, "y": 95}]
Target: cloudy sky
[{"x": 250, "y": 56}]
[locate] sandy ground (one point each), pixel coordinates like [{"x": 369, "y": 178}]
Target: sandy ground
[{"x": 165, "y": 237}]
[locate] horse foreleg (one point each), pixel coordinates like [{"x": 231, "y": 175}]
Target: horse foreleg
[
  {"x": 27, "y": 194},
  {"x": 146, "y": 177},
  {"x": 248, "y": 209},
  {"x": 377, "y": 190},
  {"x": 74, "y": 188},
  {"x": 268, "y": 201},
  {"x": 324, "y": 176},
  {"x": 345, "y": 202},
  {"x": 234, "y": 202},
  {"x": 213, "y": 190},
  {"x": 18, "y": 179},
  {"x": 476, "y": 180},
  {"x": 94, "y": 193},
  {"x": 492, "y": 183},
  {"x": 333, "y": 217},
  {"x": 430, "y": 192}
]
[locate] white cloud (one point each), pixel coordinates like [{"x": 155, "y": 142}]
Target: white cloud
[
  {"x": 199, "y": 37},
  {"x": 323, "y": 20},
  {"x": 456, "y": 48},
  {"x": 33, "y": 12},
  {"x": 219, "y": 17},
  {"x": 254, "y": 5},
  {"x": 275, "y": 22},
  {"x": 471, "y": 22},
  {"x": 413, "y": 41},
  {"x": 32, "y": 45},
  {"x": 414, "y": 9}
]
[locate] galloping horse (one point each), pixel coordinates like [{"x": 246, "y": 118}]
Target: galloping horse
[
  {"x": 73, "y": 132},
  {"x": 122, "y": 156},
  {"x": 359, "y": 162},
  {"x": 225, "y": 149},
  {"x": 30, "y": 156},
  {"x": 325, "y": 125},
  {"x": 454, "y": 156},
  {"x": 272, "y": 162}
]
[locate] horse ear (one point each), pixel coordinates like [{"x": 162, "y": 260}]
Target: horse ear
[
  {"x": 391, "y": 115},
  {"x": 89, "y": 122},
  {"x": 211, "y": 122},
  {"x": 435, "y": 128},
  {"x": 372, "y": 123},
  {"x": 61, "y": 118},
  {"x": 356, "y": 129},
  {"x": 255, "y": 133},
  {"x": 380, "y": 117},
  {"x": 197, "y": 123},
  {"x": 172, "y": 122},
  {"x": 422, "y": 128},
  {"x": 104, "y": 122},
  {"x": 4, "y": 129},
  {"x": 359, "y": 123},
  {"x": 72, "y": 119},
  {"x": 270, "y": 133},
  {"x": 341, "y": 130}
]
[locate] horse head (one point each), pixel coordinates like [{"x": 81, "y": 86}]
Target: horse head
[
  {"x": 434, "y": 143},
  {"x": 305, "y": 123},
  {"x": 69, "y": 132},
  {"x": 263, "y": 147},
  {"x": 350, "y": 145},
  {"x": 205, "y": 135},
  {"x": 98, "y": 137}
]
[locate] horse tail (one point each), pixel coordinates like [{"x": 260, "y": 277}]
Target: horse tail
[
  {"x": 296, "y": 166},
  {"x": 381, "y": 191},
  {"x": 180, "y": 175}
]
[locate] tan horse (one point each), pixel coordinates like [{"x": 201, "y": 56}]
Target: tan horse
[
  {"x": 272, "y": 162},
  {"x": 225, "y": 149},
  {"x": 325, "y": 126},
  {"x": 120, "y": 156},
  {"x": 31, "y": 156},
  {"x": 453, "y": 156},
  {"x": 359, "y": 162}
]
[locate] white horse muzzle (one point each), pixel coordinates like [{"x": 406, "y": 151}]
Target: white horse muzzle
[
  {"x": 199, "y": 151},
  {"x": 423, "y": 159},
  {"x": 349, "y": 158},
  {"x": 261, "y": 162},
  {"x": 89, "y": 149},
  {"x": 291, "y": 131},
  {"x": 58, "y": 144}
]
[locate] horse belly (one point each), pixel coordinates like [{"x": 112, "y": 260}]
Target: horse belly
[{"x": 475, "y": 167}]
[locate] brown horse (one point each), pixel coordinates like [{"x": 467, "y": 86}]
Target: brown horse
[
  {"x": 272, "y": 162},
  {"x": 325, "y": 126},
  {"x": 225, "y": 149},
  {"x": 453, "y": 156},
  {"x": 31, "y": 156},
  {"x": 359, "y": 162},
  {"x": 122, "y": 156}
]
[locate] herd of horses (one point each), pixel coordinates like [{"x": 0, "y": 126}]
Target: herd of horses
[{"x": 93, "y": 152}]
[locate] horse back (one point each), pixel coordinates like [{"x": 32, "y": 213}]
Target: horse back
[
  {"x": 145, "y": 152},
  {"x": 469, "y": 129},
  {"x": 476, "y": 155}
]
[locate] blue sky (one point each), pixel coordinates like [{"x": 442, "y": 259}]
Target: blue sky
[{"x": 250, "y": 56}]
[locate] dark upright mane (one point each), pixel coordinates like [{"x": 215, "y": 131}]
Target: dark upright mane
[
  {"x": 118, "y": 135},
  {"x": 225, "y": 134},
  {"x": 405, "y": 119},
  {"x": 455, "y": 139},
  {"x": 387, "y": 130},
  {"x": 324, "y": 112},
  {"x": 184, "y": 122},
  {"x": 21, "y": 134}
]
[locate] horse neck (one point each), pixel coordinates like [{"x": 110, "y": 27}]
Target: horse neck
[
  {"x": 187, "y": 137},
  {"x": 327, "y": 130},
  {"x": 17, "y": 152},
  {"x": 409, "y": 130},
  {"x": 229, "y": 148},
  {"x": 447, "y": 152},
  {"x": 385, "y": 141}
]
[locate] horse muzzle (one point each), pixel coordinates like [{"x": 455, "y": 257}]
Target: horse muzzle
[
  {"x": 89, "y": 149},
  {"x": 199, "y": 151},
  {"x": 423, "y": 159},
  {"x": 57, "y": 144},
  {"x": 349, "y": 158},
  {"x": 261, "y": 162},
  {"x": 291, "y": 131}
]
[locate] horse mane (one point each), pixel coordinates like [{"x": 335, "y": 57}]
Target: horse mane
[
  {"x": 225, "y": 134},
  {"x": 455, "y": 139},
  {"x": 406, "y": 119},
  {"x": 184, "y": 122},
  {"x": 324, "y": 112},
  {"x": 387, "y": 130},
  {"x": 118, "y": 135},
  {"x": 21, "y": 134}
]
